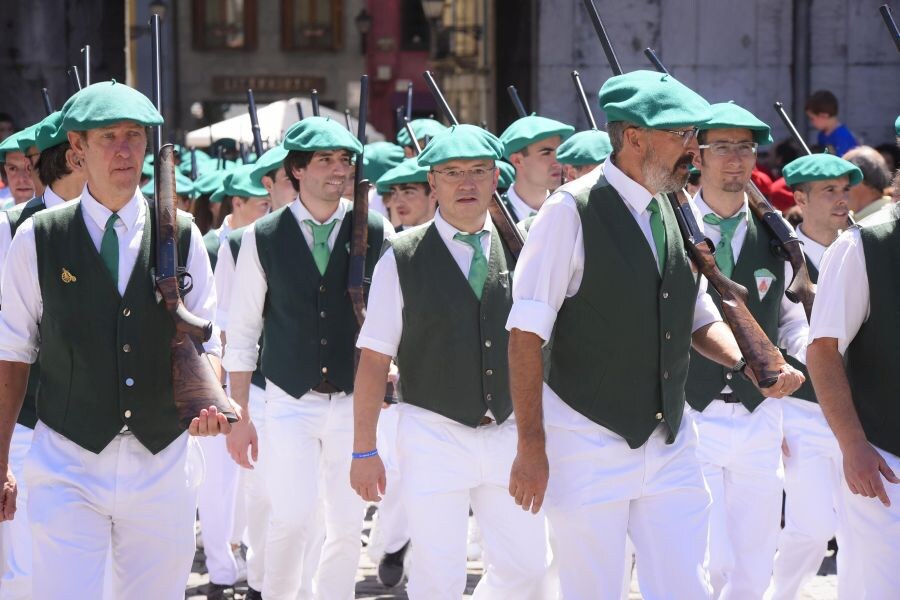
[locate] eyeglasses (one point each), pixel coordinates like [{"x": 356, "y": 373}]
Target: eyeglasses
[
  {"x": 724, "y": 149},
  {"x": 686, "y": 135},
  {"x": 458, "y": 176}
]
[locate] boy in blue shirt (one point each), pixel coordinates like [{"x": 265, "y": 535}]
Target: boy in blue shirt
[{"x": 822, "y": 111}]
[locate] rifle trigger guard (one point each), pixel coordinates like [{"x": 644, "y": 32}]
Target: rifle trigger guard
[{"x": 185, "y": 281}]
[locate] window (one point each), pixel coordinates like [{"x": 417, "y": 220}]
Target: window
[
  {"x": 224, "y": 24},
  {"x": 312, "y": 24}
]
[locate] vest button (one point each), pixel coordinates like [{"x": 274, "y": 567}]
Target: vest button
[
  {"x": 665, "y": 374},
  {"x": 668, "y": 335},
  {"x": 127, "y": 414},
  {"x": 659, "y": 416},
  {"x": 324, "y": 370},
  {"x": 129, "y": 382},
  {"x": 126, "y": 348},
  {"x": 322, "y": 314},
  {"x": 322, "y": 288},
  {"x": 489, "y": 372},
  {"x": 323, "y": 341},
  {"x": 487, "y": 343},
  {"x": 489, "y": 397},
  {"x": 665, "y": 294},
  {"x": 728, "y": 375},
  {"x": 127, "y": 312}
]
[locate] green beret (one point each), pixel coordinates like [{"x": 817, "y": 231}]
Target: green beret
[
  {"x": 507, "y": 175},
  {"x": 49, "y": 132},
  {"x": 240, "y": 184},
  {"x": 11, "y": 143},
  {"x": 147, "y": 167},
  {"x": 461, "y": 142},
  {"x": 219, "y": 194},
  {"x": 528, "y": 130},
  {"x": 653, "y": 100},
  {"x": 268, "y": 162},
  {"x": 379, "y": 158},
  {"x": 815, "y": 167},
  {"x": 422, "y": 128},
  {"x": 408, "y": 171},
  {"x": 26, "y": 138},
  {"x": 183, "y": 186},
  {"x": 106, "y": 103},
  {"x": 589, "y": 147},
  {"x": 897, "y": 125},
  {"x": 728, "y": 115},
  {"x": 320, "y": 133},
  {"x": 210, "y": 181}
]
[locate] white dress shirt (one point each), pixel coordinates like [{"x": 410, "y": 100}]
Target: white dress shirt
[
  {"x": 842, "y": 294},
  {"x": 245, "y": 314},
  {"x": 22, "y": 305},
  {"x": 793, "y": 328},
  {"x": 523, "y": 211},
  {"x": 551, "y": 266},
  {"x": 814, "y": 250},
  {"x": 224, "y": 279}
]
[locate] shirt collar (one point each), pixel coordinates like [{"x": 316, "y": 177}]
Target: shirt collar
[
  {"x": 705, "y": 209},
  {"x": 51, "y": 198},
  {"x": 634, "y": 194},
  {"x": 523, "y": 211},
  {"x": 128, "y": 214},
  {"x": 447, "y": 231},
  {"x": 302, "y": 214},
  {"x": 813, "y": 249}
]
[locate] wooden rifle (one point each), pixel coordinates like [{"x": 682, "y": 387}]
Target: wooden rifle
[
  {"x": 517, "y": 101},
  {"x": 763, "y": 358},
  {"x": 889, "y": 22},
  {"x": 254, "y": 124},
  {"x": 359, "y": 236},
  {"x": 48, "y": 107},
  {"x": 582, "y": 99}
]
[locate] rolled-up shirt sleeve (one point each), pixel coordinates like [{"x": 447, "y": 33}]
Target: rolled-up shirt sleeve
[
  {"x": 383, "y": 326},
  {"x": 22, "y": 306},
  {"x": 549, "y": 268},
  {"x": 245, "y": 312}
]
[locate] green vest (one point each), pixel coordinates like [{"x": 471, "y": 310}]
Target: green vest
[
  {"x": 707, "y": 378},
  {"x": 452, "y": 355},
  {"x": 621, "y": 344},
  {"x": 308, "y": 319},
  {"x": 813, "y": 271},
  {"x": 110, "y": 354},
  {"x": 234, "y": 244},
  {"x": 873, "y": 355},
  {"x": 16, "y": 216},
  {"x": 211, "y": 241},
  {"x": 506, "y": 202}
]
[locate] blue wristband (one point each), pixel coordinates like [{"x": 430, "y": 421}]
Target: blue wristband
[{"x": 368, "y": 454}]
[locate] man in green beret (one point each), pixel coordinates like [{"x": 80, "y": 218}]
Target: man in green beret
[
  {"x": 110, "y": 465},
  {"x": 425, "y": 130},
  {"x": 530, "y": 144},
  {"x": 411, "y": 197},
  {"x": 821, "y": 186},
  {"x": 438, "y": 303},
  {"x": 583, "y": 152},
  {"x": 18, "y": 167},
  {"x": 63, "y": 180},
  {"x": 249, "y": 201},
  {"x": 607, "y": 427},
  {"x": 852, "y": 357},
  {"x": 739, "y": 431},
  {"x": 381, "y": 157},
  {"x": 292, "y": 272}
]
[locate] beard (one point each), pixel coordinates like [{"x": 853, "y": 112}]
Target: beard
[{"x": 662, "y": 178}]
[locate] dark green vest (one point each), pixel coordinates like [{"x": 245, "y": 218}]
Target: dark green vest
[
  {"x": 621, "y": 345},
  {"x": 211, "y": 241},
  {"x": 234, "y": 244},
  {"x": 707, "y": 378},
  {"x": 110, "y": 354},
  {"x": 452, "y": 355},
  {"x": 308, "y": 319},
  {"x": 506, "y": 202},
  {"x": 813, "y": 271},
  {"x": 16, "y": 216},
  {"x": 874, "y": 354}
]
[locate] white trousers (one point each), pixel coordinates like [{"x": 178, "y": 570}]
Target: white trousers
[
  {"x": 309, "y": 443},
  {"x": 16, "y": 534},
  {"x": 812, "y": 483},
  {"x": 600, "y": 489},
  {"x": 216, "y": 503},
  {"x": 871, "y": 539},
  {"x": 391, "y": 528},
  {"x": 446, "y": 468},
  {"x": 257, "y": 508},
  {"x": 740, "y": 454},
  {"x": 125, "y": 500}
]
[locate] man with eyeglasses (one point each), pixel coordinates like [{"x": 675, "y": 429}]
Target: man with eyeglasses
[
  {"x": 291, "y": 276},
  {"x": 739, "y": 430},
  {"x": 605, "y": 274},
  {"x": 439, "y": 300}
]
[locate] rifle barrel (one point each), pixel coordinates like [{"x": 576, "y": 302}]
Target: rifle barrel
[
  {"x": 412, "y": 135},
  {"x": 75, "y": 77},
  {"x": 885, "y": 11},
  {"x": 582, "y": 99},
  {"x": 299, "y": 106},
  {"x": 439, "y": 97},
  {"x": 46, "y": 97},
  {"x": 409, "y": 100},
  {"x": 517, "y": 101},
  {"x": 254, "y": 124},
  {"x": 155, "y": 66},
  {"x": 347, "y": 120},
  {"x": 87, "y": 63},
  {"x": 314, "y": 97},
  {"x": 651, "y": 55},
  {"x": 779, "y": 108},
  {"x": 361, "y": 123},
  {"x": 604, "y": 39}
]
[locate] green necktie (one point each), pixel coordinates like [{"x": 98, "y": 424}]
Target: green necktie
[
  {"x": 109, "y": 248},
  {"x": 479, "y": 268},
  {"x": 320, "y": 250},
  {"x": 724, "y": 255},
  {"x": 658, "y": 229}
]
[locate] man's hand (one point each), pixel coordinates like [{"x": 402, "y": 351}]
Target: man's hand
[
  {"x": 528, "y": 477},
  {"x": 367, "y": 478},
  {"x": 789, "y": 380},
  {"x": 863, "y": 468},
  {"x": 8, "y": 495},
  {"x": 243, "y": 437},
  {"x": 210, "y": 422}
]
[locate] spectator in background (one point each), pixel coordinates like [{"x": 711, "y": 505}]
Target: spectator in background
[
  {"x": 869, "y": 197},
  {"x": 891, "y": 154},
  {"x": 7, "y": 126},
  {"x": 822, "y": 112}
]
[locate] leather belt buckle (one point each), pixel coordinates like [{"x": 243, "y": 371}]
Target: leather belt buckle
[
  {"x": 326, "y": 387},
  {"x": 485, "y": 421},
  {"x": 728, "y": 398}
]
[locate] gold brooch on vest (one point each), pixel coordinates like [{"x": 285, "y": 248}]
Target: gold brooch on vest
[{"x": 67, "y": 277}]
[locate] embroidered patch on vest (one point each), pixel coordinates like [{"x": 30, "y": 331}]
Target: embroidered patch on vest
[
  {"x": 764, "y": 280},
  {"x": 67, "y": 277}
]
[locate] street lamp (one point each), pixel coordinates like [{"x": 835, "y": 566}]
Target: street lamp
[
  {"x": 433, "y": 9},
  {"x": 364, "y": 25}
]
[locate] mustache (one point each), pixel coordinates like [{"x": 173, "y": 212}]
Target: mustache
[{"x": 687, "y": 160}]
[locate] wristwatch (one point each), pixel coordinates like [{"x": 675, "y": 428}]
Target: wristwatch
[{"x": 739, "y": 367}]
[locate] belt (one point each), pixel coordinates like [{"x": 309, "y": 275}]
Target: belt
[
  {"x": 728, "y": 398},
  {"x": 327, "y": 387},
  {"x": 485, "y": 421}
]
